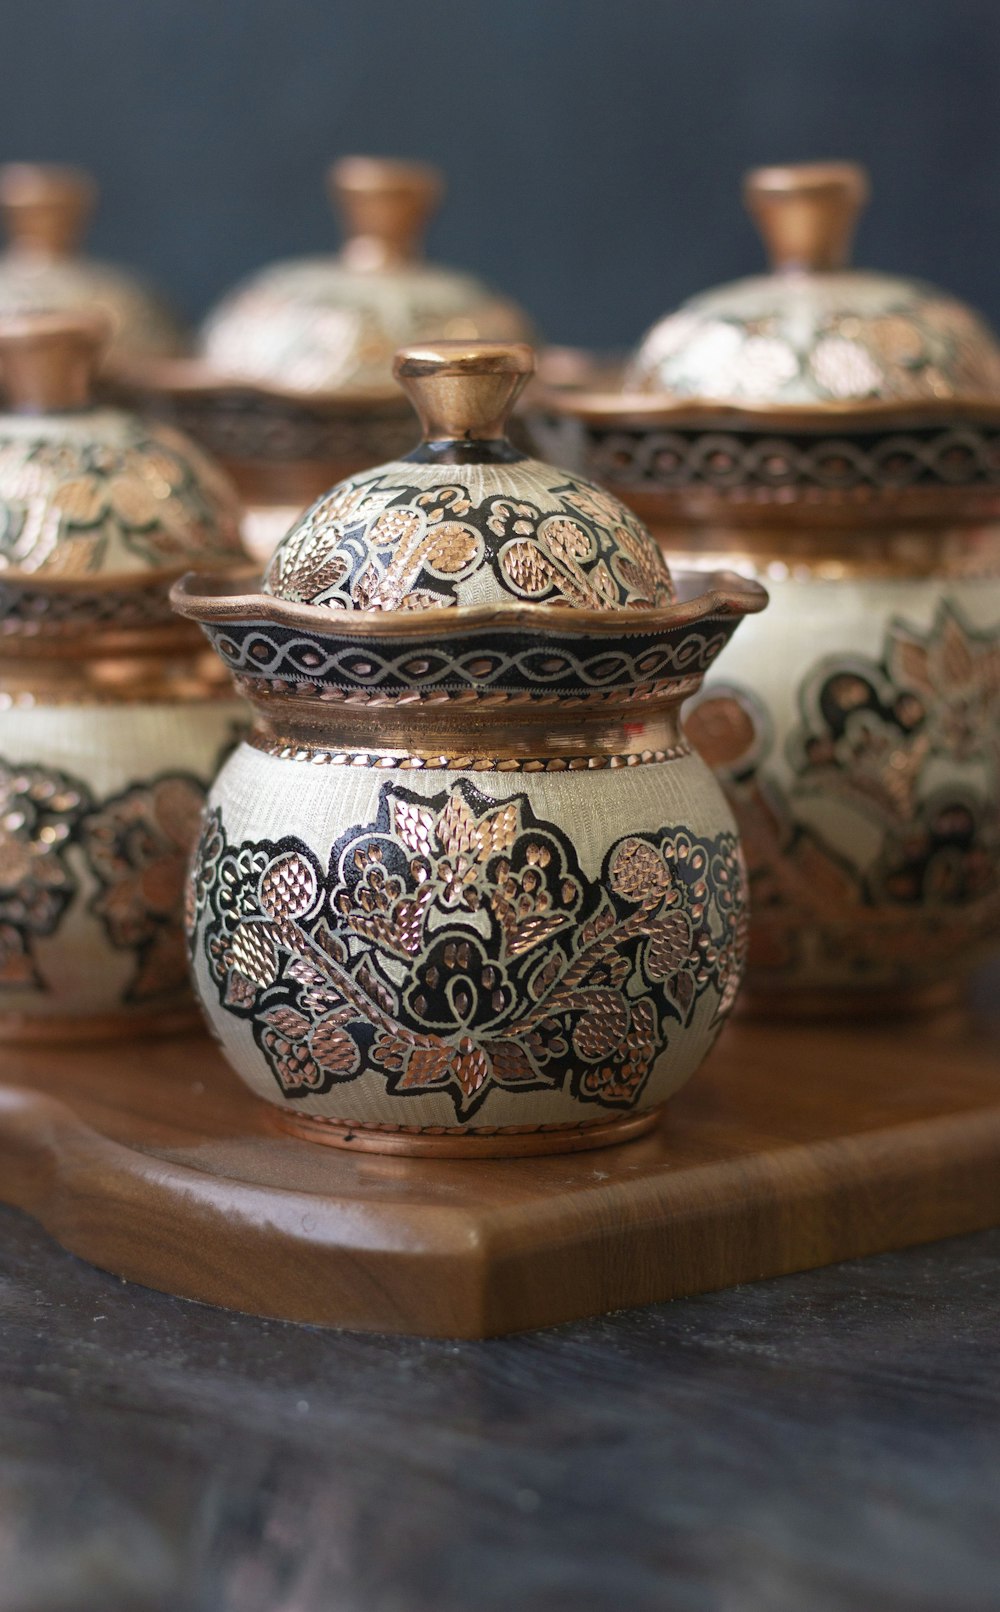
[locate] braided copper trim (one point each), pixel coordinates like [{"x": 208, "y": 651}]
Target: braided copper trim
[
  {"x": 261, "y": 690},
  {"x": 320, "y": 755}
]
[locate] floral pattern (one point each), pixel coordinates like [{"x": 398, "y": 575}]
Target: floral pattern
[
  {"x": 134, "y": 847},
  {"x": 819, "y": 340},
  {"x": 138, "y": 845},
  {"x": 911, "y": 746},
  {"x": 454, "y": 945},
  {"x": 386, "y": 542},
  {"x": 40, "y": 816},
  {"x": 123, "y": 496}
]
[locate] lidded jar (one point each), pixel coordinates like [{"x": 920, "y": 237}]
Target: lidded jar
[
  {"x": 815, "y": 331},
  {"x": 332, "y": 324},
  {"x": 45, "y": 211},
  {"x": 112, "y": 717},
  {"x": 465, "y": 888},
  {"x": 836, "y": 433}
]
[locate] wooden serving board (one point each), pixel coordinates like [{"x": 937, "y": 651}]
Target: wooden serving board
[{"x": 796, "y": 1146}]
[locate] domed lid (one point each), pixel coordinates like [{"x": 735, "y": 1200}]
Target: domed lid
[
  {"x": 814, "y": 331},
  {"x": 333, "y": 323},
  {"x": 466, "y": 519},
  {"x": 90, "y": 491},
  {"x": 45, "y": 211}
]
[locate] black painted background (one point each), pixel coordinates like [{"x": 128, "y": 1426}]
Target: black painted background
[{"x": 594, "y": 147}]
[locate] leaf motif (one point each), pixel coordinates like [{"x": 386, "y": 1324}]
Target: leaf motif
[
  {"x": 288, "y": 1021},
  {"x": 461, "y": 833},
  {"x": 566, "y": 541},
  {"x": 638, "y": 871},
  {"x": 909, "y": 664},
  {"x": 531, "y": 932},
  {"x": 332, "y": 1047},
  {"x": 604, "y": 1024},
  {"x": 511, "y": 1063},
  {"x": 254, "y": 953},
  {"x": 289, "y": 887},
  {"x": 414, "y": 825},
  {"x": 427, "y": 1066},
  {"x": 669, "y": 945},
  {"x": 683, "y": 990}
]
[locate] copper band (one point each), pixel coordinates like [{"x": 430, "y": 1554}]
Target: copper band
[
  {"x": 313, "y": 705},
  {"x": 441, "y": 738},
  {"x": 458, "y": 1142},
  {"x": 832, "y": 555},
  {"x": 113, "y": 680}
]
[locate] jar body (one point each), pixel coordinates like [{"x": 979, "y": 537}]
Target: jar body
[
  {"x": 859, "y": 743},
  {"x": 397, "y": 958},
  {"x": 101, "y": 805}
]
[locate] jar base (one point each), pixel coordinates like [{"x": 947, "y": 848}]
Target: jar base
[
  {"x": 502, "y": 1143},
  {"x": 866, "y": 1002}
]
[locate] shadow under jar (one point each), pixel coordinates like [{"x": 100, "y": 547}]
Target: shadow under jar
[
  {"x": 836, "y": 434},
  {"x": 466, "y": 889},
  {"x": 113, "y": 717}
]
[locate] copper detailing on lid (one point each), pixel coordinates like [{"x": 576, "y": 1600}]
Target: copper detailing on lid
[
  {"x": 464, "y": 390},
  {"x": 45, "y": 209},
  {"x": 807, "y": 212},
  {"x": 384, "y": 205},
  {"x": 47, "y": 360}
]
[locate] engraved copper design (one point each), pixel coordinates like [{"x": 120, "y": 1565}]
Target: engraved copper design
[
  {"x": 119, "y": 495},
  {"x": 809, "y": 466},
  {"x": 815, "y": 333},
  {"x": 40, "y": 815},
  {"x": 45, "y": 210},
  {"x": 332, "y": 324},
  {"x": 867, "y": 336},
  {"x": 55, "y": 838},
  {"x": 454, "y": 945},
  {"x": 910, "y": 747},
  {"x": 389, "y": 541},
  {"x": 468, "y": 761},
  {"x": 138, "y": 845}
]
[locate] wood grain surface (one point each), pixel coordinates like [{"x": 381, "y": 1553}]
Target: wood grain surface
[{"x": 795, "y": 1147}]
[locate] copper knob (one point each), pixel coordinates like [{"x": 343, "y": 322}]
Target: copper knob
[
  {"x": 807, "y": 212},
  {"x": 45, "y": 209},
  {"x": 464, "y": 390},
  {"x": 385, "y": 206},
  {"x": 47, "y": 360}
]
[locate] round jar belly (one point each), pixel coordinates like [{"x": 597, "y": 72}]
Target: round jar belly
[
  {"x": 860, "y": 749},
  {"x": 505, "y": 961},
  {"x": 99, "y": 808}
]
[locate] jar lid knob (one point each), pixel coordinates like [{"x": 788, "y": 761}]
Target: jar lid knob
[
  {"x": 45, "y": 208},
  {"x": 385, "y": 205},
  {"x": 464, "y": 391},
  {"x": 807, "y": 212},
  {"x": 47, "y": 360}
]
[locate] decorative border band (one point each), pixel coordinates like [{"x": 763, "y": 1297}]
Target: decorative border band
[{"x": 320, "y": 755}]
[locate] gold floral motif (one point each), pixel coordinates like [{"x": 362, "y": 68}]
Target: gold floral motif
[
  {"x": 912, "y": 745},
  {"x": 138, "y": 846},
  {"x": 72, "y": 508},
  {"x": 455, "y": 946},
  {"x": 385, "y": 545},
  {"x": 40, "y": 815}
]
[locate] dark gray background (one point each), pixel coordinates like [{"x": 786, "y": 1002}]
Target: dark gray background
[{"x": 594, "y": 147}]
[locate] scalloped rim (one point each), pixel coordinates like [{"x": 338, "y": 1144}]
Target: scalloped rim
[{"x": 211, "y": 598}]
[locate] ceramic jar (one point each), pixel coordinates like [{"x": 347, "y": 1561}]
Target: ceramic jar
[
  {"x": 332, "y": 324},
  {"x": 466, "y": 888},
  {"x": 45, "y": 211},
  {"x": 292, "y": 388},
  {"x": 112, "y": 716},
  {"x": 837, "y": 435}
]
